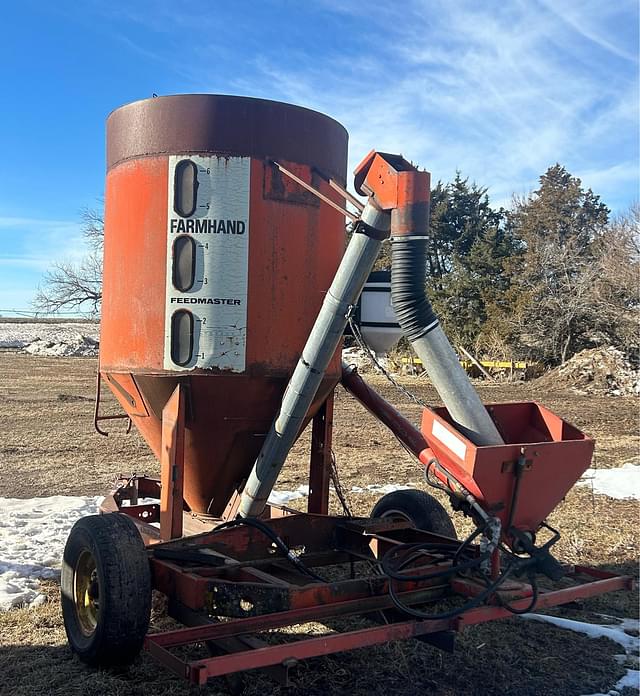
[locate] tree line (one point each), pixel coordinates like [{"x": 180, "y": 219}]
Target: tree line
[{"x": 553, "y": 274}]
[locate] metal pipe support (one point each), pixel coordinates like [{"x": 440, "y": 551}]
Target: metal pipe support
[{"x": 354, "y": 269}]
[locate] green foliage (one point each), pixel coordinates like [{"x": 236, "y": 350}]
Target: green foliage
[
  {"x": 469, "y": 247},
  {"x": 560, "y": 211}
]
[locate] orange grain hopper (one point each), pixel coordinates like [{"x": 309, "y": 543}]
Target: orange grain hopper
[{"x": 215, "y": 268}]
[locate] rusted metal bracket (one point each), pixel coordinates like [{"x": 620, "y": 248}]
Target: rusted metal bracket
[
  {"x": 320, "y": 459},
  {"x": 97, "y": 418},
  {"x": 334, "y": 185},
  {"x": 172, "y": 465},
  {"x": 397, "y": 186}
]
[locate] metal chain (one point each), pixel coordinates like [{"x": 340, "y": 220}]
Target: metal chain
[
  {"x": 593, "y": 488},
  {"x": 371, "y": 355},
  {"x": 337, "y": 486}
]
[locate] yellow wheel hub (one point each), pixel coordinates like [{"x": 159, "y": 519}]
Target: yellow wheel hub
[{"x": 86, "y": 593}]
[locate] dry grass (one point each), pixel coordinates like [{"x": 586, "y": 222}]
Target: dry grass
[{"x": 47, "y": 446}]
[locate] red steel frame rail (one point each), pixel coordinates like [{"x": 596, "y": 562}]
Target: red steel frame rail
[
  {"x": 316, "y": 602},
  {"x": 199, "y": 671}
]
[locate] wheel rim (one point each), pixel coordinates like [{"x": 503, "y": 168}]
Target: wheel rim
[
  {"x": 86, "y": 593},
  {"x": 397, "y": 516}
]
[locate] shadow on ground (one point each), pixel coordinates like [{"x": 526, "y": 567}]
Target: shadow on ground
[{"x": 512, "y": 657}]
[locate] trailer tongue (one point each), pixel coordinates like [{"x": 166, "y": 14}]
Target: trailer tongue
[{"x": 226, "y": 296}]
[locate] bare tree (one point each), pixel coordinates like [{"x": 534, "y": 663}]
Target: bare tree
[
  {"x": 552, "y": 310},
  {"x": 616, "y": 292},
  {"x": 568, "y": 295},
  {"x": 557, "y": 284},
  {"x": 76, "y": 286},
  {"x": 93, "y": 228}
]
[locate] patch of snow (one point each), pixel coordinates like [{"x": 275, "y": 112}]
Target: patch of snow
[
  {"x": 283, "y": 497},
  {"x": 33, "y": 533},
  {"x": 76, "y": 346},
  {"x": 616, "y": 632},
  {"x": 380, "y": 488},
  {"x": 630, "y": 680},
  {"x": 621, "y": 483},
  {"x": 18, "y": 335},
  {"x": 141, "y": 501},
  {"x": 364, "y": 362}
]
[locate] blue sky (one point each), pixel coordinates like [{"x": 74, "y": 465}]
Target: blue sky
[{"x": 497, "y": 89}]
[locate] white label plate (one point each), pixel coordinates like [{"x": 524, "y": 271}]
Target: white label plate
[{"x": 448, "y": 439}]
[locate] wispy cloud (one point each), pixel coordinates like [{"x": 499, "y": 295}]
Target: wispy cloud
[
  {"x": 616, "y": 176},
  {"x": 12, "y": 221},
  {"x": 499, "y": 91},
  {"x": 33, "y": 263},
  {"x": 587, "y": 20},
  {"x": 41, "y": 238}
]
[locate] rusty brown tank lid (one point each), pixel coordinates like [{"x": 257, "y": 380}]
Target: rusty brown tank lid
[{"x": 241, "y": 126}]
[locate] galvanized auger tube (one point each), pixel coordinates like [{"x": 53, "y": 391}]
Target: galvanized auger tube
[
  {"x": 398, "y": 186},
  {"x": 354, "y": 269},
  {"x": 422, "y": 328}
]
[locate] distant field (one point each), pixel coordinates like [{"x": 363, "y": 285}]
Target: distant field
[
  {"x": 47, "y": 446},
  {"x": 47, "y": 320}
]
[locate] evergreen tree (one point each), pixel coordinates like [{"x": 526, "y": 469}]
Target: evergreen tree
[{"x": 469, "y": 245}]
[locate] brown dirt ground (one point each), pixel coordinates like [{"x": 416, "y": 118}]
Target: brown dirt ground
[{"x": 48, "y": 446}]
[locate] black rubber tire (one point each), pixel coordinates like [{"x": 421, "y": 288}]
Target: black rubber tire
[
  {"x": 124, "y": 582},
  {"x": 420, "y": 508}
]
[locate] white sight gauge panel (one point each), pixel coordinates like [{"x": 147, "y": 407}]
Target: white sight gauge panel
[{"x": 207, "y": 263}]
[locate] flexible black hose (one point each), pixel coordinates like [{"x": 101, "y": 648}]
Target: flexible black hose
[
  {"x": 411, "y": 552},
  {"x": 408, "y": 276},
  {"x": 471, "y": 604},
  {"x": 447, "y": 572},
  {"x": 252, "y": 522},
  {"x": 530, "y": 606},
  {"x": 467, "y": 541},
  {"x": 268, "y": 532}
]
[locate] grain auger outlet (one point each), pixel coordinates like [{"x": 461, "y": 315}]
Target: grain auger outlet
[{"x": 227, "y": 289}]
